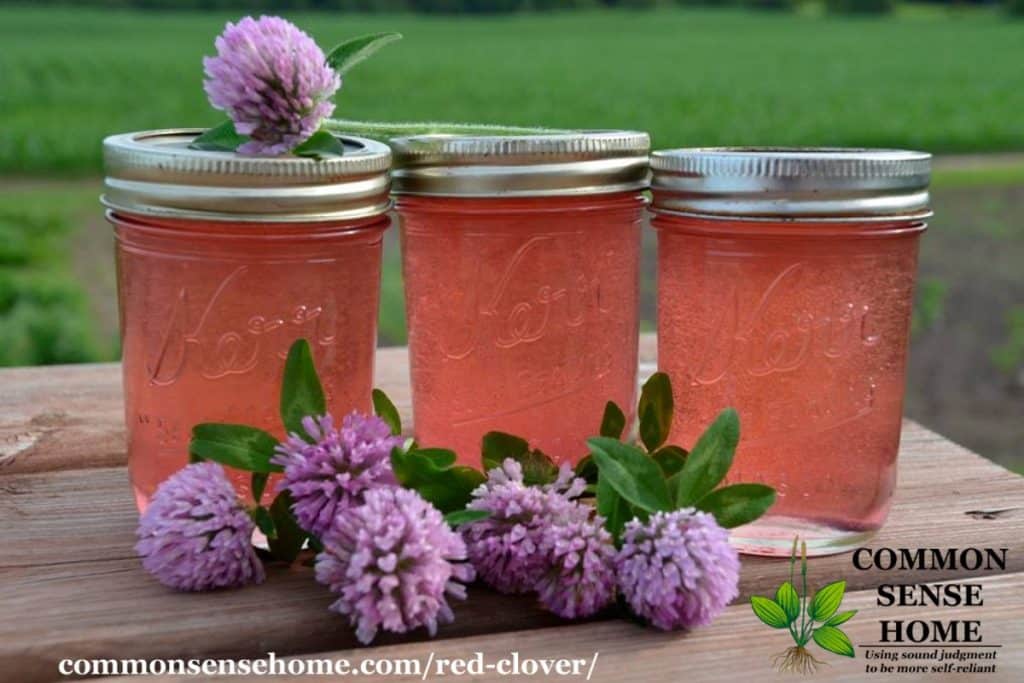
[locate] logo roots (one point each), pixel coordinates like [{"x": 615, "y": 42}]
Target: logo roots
[{"x": 806, "y": 618}]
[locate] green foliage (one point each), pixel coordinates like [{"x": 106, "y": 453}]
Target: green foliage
[
  {"x": 302, "y": 395},
  {"x": 613, "y": 422},
  {"x": 770, "y": 4},
  {"x": 708, "y": 461},
  {"x": 239, "y": 446},
  {"x": 632, "y": 482},
  {"x": 1008, "y": 357},
  {"x": 807, "y": 617},
  {"x": 44, "y": 315},
  {"x": 860, "y": 6},
  {"x": 769, "y": 611},
  {"x": 655, "y": 411},
  {"x": 220, "y": 138},
  {"x": 355, "y": 50},
  {"x": 538, "y": 468},
  {"x": 929, "y": 305},
  {"x": 288, "y": 538},
  {"x": 1015, "y": 8},
  {"x": 68, "y": 83},
  {"x": 826, "y": 601},
  {"x": 464, "y": 516},
  {"x": 632, "y": 473},
  {"x": 738, "y": 504},
  {"x": 433, "y": 473},
  {"x": 832, "y": 639},
  {"x": 386, "y": 410}
]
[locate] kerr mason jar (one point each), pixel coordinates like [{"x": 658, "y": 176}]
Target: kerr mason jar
[
  {"x": 520, "y": 258},
  {"x": 223, "y": 261},
  {"x": 786, "y": 280}
]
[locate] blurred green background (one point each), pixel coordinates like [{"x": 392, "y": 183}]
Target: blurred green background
[{"x": 945, "y": 77}]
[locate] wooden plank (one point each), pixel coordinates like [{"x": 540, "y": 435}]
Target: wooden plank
[
  {"x": 737, "y": 647},
  {"x": 73, "y": 588},
  {"x": 72, "y": 416}
]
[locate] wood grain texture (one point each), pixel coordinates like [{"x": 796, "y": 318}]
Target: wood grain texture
[
  {"x": 72, "y": 416},
  {"x": 72, "y": 587},
  {"x": 737, "y": 647}
]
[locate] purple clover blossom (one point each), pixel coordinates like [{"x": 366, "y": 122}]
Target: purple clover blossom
[
  {"x": 273, "y": 81},
  {"x": 579, "y": 579},
  {"x": 195, "y": 535},
  {"x": 393, "y": 561},
  {"x": 333, "y": 473},
  {"x": 677, "y": 570},
  {"x": 505, "y": 548}
]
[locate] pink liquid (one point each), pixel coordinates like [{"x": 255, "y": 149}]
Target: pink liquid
[
  {"x": 522, "y": 317},
  {"x": 208, "y": 312},
  {"x": 803, "y": 328}
]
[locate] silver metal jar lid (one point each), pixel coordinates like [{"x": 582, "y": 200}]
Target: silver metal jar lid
[
  {"x": 154, "y": 173},
  {"x": 792, "y": 183},
  {"x": 563, "y": 164}
]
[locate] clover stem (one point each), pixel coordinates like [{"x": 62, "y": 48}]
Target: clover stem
[
  {"x": 386, "y": 130},
  {"x": 803, "y": 611}
]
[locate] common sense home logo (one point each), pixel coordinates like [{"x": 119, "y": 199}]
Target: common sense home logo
[{"x": 806, "y": 617}]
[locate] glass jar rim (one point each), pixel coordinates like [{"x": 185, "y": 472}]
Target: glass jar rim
[
  {"x": 156, "y": 173},
  {"x": 792, "y": 183},
  {"x": 555, "y": 164}
]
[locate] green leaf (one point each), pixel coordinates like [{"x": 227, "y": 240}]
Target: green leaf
[
  {"x": 239, "y": 446},
  {"x": 259, "y": 484},
  {"x": 631, "y": 472},
  {"x": 841, "y": 618},
  {"x": 586, "y": 470},
  {"x": 441, "y": 458},
  {"x": 738, "y": 504},
  {"x": 431, "y": 473},
  {"x": 221, "y": 138},
  {"x": 264, "y": 521},
  {"x": 832, "y": 639},
  {"x": 613, "y": 422},
  {"x": 464, "y": 516},
  {"x": 496, "y": 446},
  {"x": 769, "y": 611},
  {"x": 612, "y": 507},
  {"x": 319, "y": 145},
  {"x": 655, "y": 410},
  {"x": 826, "y": 601},
  {"x": 287, "y": 542},
  {"x": 788, "y": 599},
  {"x": 708, "y": 461},
  {"x": 386, "y": 410},
  {"x": 670, "y": 459},
  {"x": 351, "y": 52},
  {"x": 538, "y": 468},
  {"x": 301, "y": 392}
]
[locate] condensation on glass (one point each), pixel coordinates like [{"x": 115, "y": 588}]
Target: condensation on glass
[
  {"x": 520, "y": 259},
  {"x": 785, "y": 286},
  {"x": 223, "y": 261}
]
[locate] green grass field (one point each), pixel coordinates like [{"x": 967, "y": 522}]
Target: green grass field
[{"x": 942, "y": 82}]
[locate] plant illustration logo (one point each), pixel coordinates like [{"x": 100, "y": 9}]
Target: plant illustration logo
[{"x": 807, "y": 618}]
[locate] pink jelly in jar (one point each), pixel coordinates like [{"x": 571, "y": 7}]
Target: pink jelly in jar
[
  {"x": 224, "y": 261},
  {"x": 785, "y": 287},
  {"x": 520, "y": 257}
]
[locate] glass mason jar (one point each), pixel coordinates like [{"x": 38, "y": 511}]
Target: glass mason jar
[
  {"x": 223, "y": 261},
  {"x": 785, "y": 286},
  {"x": 520, "y": 258}
]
